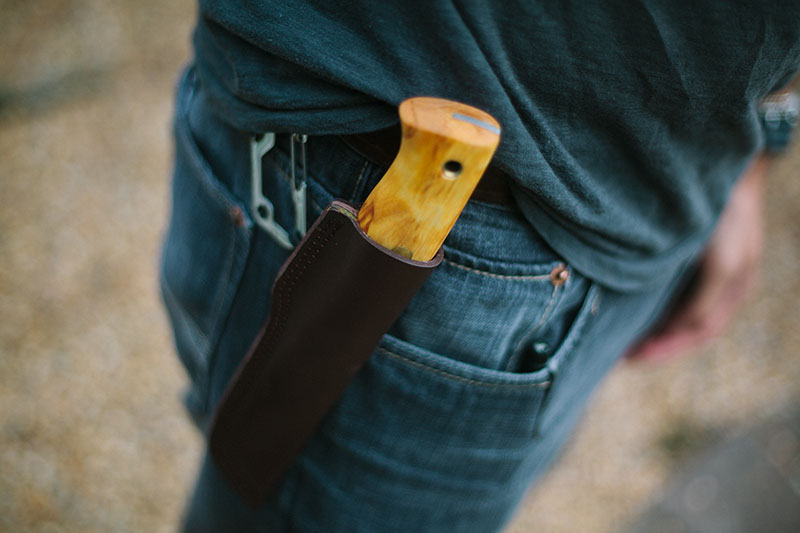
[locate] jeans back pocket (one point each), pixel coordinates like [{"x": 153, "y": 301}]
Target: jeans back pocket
[{"x": 439, "y": 431}]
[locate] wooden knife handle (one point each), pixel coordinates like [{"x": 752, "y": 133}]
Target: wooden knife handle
[{"x": 445, "y": 149}]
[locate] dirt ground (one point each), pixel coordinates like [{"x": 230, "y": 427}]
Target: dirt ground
[{"x": 93, "y": 436}]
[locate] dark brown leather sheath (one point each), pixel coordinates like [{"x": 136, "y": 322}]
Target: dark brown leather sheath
[{"x": 334, "y": 298}]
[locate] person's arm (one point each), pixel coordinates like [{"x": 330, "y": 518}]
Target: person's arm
[
  {"x": 727, "y": 272},
  {"x": 729, "y": 268}
]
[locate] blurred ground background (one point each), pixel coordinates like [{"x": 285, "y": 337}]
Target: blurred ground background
[{"x": 92, "y": 433}]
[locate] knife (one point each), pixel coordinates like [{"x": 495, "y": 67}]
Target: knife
[{"x": 340, "y": 291}]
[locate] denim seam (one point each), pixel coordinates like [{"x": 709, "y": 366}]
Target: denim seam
[
  {"x": 186, "y": 317},
  {"x": 204, "y": 176},
  {"x": 358, "y": 182},
  {"x": 212, "y": 338},
  {"x": 547, "y": 309},
  {"x": 574, "y": 335},
  {"x": 225, "y": 285},
  {"x": 573, "y": 338},
  {"x": 218, "y": 197},
  {"x": 219, "y": 296},
  {"x": 223, "y": 198},
  {"x": 201, "y": 359},
  {"x": 539, "y": 277},
  {"x": 406, "y": 360},
  {"x": 551, "y": 302},
  {"x": 316, "y": 205}
]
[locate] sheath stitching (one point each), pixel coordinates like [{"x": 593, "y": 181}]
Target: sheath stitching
[
  {"x": 539, "y": 277},
  {"x": 462, "y": 379},
  {"x": 304, "y": 260},
  {"x": 244, "y": 381}
]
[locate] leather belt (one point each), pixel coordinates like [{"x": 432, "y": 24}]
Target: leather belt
[{"x": 381, "y": 147}]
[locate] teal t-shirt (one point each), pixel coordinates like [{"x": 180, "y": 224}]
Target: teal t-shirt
[{"x": 625, "y": 124}]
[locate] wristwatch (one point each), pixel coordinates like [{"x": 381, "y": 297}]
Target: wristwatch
[{"x": 778, "y": 113}]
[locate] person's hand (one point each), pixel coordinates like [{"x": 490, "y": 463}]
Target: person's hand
[{"x": 727, "y": 272}]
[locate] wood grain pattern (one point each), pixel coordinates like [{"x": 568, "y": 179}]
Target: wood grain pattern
[{"x": 445, "y": 149}]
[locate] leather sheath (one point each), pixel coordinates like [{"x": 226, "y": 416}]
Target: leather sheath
[{"x": 333, "y": 299}]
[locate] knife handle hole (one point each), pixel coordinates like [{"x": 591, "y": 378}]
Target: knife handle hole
[{"x": 451, "y": 169}]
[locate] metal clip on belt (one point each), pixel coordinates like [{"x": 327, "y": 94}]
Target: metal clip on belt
[{"x": 263, "y": 208}]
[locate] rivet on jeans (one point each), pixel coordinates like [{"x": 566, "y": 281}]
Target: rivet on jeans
[
  {"x": 559, "y": 275},
  {"x": 237, "y": 216}
]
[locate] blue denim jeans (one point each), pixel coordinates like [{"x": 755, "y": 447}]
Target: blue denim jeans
[{"x": 464, "y": 403}]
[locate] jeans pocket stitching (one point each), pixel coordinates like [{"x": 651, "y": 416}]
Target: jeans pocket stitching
[
  {"x": 507, "y": 277},
  {"x": 526, "y": 337},
  {"x": 204, "y": 177},
  {"x": 548, "y": 309},
  {"x": 232, "y": 253},
  {"x": 224, "y": 287},
  {"x": 576, "y": 330},
  {"x": 209, "y": 181},
  {"x": 444, "y": 373},
  {"x": 186, "y": 317},
  {"x": 361, "y": 174}
]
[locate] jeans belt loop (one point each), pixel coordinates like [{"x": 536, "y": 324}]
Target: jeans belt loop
[{"x": 263, "y": 209}]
